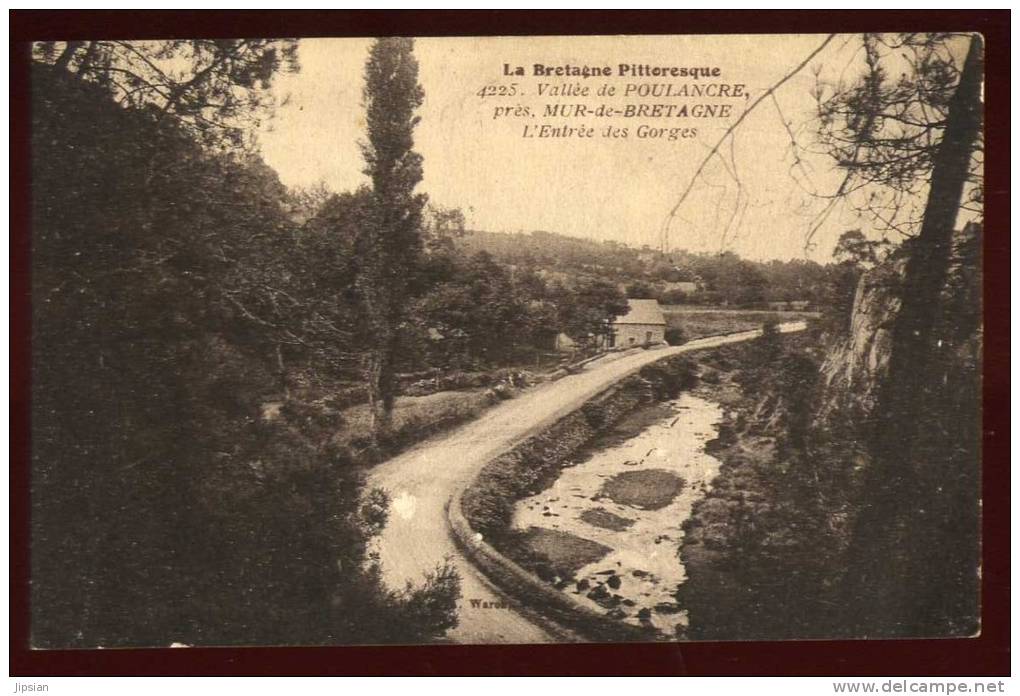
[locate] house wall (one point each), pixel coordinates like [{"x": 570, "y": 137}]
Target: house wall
[{"x": 639, "y": 333}]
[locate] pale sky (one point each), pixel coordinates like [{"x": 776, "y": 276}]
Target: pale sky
[{"x": 598, "y": 188}]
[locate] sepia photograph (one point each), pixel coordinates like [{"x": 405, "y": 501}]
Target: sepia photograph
[{"x": 506, "y": 339}]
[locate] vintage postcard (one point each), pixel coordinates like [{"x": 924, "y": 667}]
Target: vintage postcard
[{"x": 506, "y": 339}]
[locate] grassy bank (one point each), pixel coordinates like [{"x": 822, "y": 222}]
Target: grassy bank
[
  {"x": 762, "y": 548},
  {"x": 697, "y": 322},
  {"x": 414, "y": 418}
]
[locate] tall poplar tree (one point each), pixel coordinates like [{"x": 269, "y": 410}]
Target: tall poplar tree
[{"x": 391, "y": 241}]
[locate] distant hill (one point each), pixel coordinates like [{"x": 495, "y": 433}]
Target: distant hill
[
  {"x": 718, "y": 278},
  {"x": 548, "y": 250}
]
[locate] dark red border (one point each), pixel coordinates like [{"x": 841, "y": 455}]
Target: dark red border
[{"x": 985, "y": 655}]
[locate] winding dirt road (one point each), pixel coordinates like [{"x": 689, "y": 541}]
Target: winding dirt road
[{"x": 421, "y": 481}]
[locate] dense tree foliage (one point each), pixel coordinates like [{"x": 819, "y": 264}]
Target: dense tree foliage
[
  {"x": 586, "y": 309},
  {"x": 854, "y": 254},
  {"x": 172, "y": 296},
  {"x": 478, "y": 311},
  {"x": 884, "y": 127},
  {"x": 641, "y": 290}
]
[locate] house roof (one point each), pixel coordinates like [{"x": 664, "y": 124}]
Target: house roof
[{"x": 642, "y": 312}]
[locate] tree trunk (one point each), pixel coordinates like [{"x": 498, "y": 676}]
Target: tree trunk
[
  {"x": 375, "y": 368},
  {"x": 282, "y": 368},
  {"x": 896, "y": 563},
  {"x": 64, "y": 60},
  {"x": 86, "y": 61}
]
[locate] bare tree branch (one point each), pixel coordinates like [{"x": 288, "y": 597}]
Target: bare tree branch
[{"x": 729, "y": 132}]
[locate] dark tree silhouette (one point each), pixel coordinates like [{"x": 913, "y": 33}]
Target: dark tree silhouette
[
  {"x": 884, "y": 540},
  {"x": 216, "y": 88},
  {"x": 885, "y": 130},
  {"x": 167, "y": 504},
  {"x": 913, "y": 563}
]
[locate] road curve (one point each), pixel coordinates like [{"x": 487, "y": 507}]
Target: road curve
[{"x": 421, "y": 481}]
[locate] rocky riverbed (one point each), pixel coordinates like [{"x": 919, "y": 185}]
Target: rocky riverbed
[{"x": 612, "y": 522}]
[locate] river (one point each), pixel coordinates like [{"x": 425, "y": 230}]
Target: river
[{"x": 632, "y": 497}]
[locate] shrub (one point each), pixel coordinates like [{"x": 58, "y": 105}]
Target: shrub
[
  {"x": 673, "y": 297},
  {"x": 675, "y": 336}
]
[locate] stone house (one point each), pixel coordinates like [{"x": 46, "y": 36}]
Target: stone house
[{"x": 643, "y": 324}]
